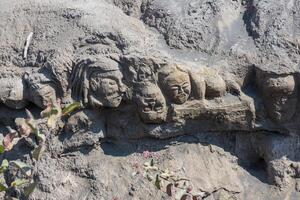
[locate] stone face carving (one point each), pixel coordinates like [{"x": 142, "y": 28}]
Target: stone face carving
[
  {"x": 165, "y": 94},
  {"x": 151, "y": 103},
  {"x": 97, "y": 83},
  {"x": 145, "y": 74},
  {"x": 139, "y": 70},
  {"x": 279, "y": 93},
  {"x": 176, "y": 84}
]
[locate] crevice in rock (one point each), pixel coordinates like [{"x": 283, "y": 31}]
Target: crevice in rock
[
  {"x": 209, "y": 194},
  {"x": 249, "y": 15}
]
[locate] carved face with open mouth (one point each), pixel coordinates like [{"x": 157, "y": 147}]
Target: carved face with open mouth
[
  {"x": 280, "y": 97},
  {"x": 152, "y": 104}
]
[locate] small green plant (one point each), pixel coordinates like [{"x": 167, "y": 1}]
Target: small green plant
[
  {"x": 175, "y": 186},
  {"x": 25, "y": 170},
  {"x": 25, "y": 128}
]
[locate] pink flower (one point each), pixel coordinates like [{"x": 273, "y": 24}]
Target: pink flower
[
  {"x": 189, "y": 189},
  {"x": 146, "y": 154}
]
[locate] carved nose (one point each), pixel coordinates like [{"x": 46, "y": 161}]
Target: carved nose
[
  {"x": 122, "y": 88},
  {"x": 152, "y": 105},
  {"x": 180, "y": 90}
]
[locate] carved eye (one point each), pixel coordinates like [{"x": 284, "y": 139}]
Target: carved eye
[
  {"x": 174, "y": 87},
  {"x": 112, "y": 83},
  {"x": 186, "y": 90},
  {"x": 185, "y": 85}
]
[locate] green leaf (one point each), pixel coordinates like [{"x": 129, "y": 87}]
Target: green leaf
[
  {"x": 49, "y": 111},
  {"x": 36, "y": 153},
  {"x": 2, "y": 187},
  {"x": 32, "y": 124},
  {"x": 4, "y": 166},
  {"x": 26, "y": 169},
  {"x": 29, "y": 190},
  {"x": 2, "y": 149},
  {"x": 157, "y": 182},
  {"x": 53, "y": 113},
  {"x": 18, "y": 182},
  {"x": 41, "y": 137},
  {"x": 70, "y": 108},
  {"x": 152, "y": 163},
  {"x": 52, "y": 120}
]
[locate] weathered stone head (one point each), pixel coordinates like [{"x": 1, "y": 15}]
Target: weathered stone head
[
  {"x": 97, "y": 82},
  {"x": 176, "y": 84},
  {"x": 280, "y": 97},
  {"x": 12, "y": 92},
  {"x": 140, "y": 69},
  {"x": 41, "y": 89},
  {"x": 145, "y": 74},
  {"x": 151, "y": 104}
]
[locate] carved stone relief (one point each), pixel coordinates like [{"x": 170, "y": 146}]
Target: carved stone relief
[
  {"x": 215, "y": 84},
  {"x": 97, "y": 82},
  {"x": 151, "y": 103},
  {"x": 176, "y": 84},
  {"x": 20, "y": 89},
  {"x": 41, "y": 90},
  {"x": 12, "y": 92},
  {"x": 279, "y": 94},
  {"x": 163, "y": 92}
]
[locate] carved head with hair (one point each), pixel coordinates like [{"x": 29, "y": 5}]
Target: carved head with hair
[{"x": 97, "y": 82}]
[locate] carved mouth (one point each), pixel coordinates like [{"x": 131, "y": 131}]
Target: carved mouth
[
  {"x": 114, "y": 96},
  {"x": 181, "y": 98}
]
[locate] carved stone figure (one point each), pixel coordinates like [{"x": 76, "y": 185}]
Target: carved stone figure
[
  {"x": 12, "y": 92},
  {"x": 151, "y": 104},
  {"x": 145, "y": 74},
  {"x": 97, "y": 82},
  {"x": 41, "y": 90},
  {"x": 139, "y": 69},
  {"x": 215, "y": 84},
  {"x": 280, "y": 96},
  {"x": 19, "y": 88},
  {"x": 176, "y": 84}
]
